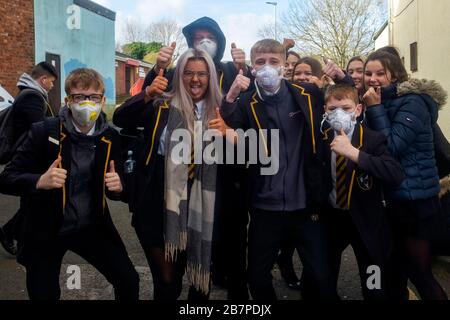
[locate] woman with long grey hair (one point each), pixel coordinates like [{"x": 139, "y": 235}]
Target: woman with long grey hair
[{"x": 172, "y": 195}]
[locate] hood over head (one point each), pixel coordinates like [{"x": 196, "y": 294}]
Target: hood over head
[{"x": 210, "y": 25}]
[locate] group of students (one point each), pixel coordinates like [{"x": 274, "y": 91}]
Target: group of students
[{"x": 355, "y": 167}]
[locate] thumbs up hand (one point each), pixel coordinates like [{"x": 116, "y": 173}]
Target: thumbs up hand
[
  {"x": 112, "y": 179},
  {"x": 342, "y": 146},
  {"x": 164, "y": 57},
  {"x": 158, "y": 86},
  {"x": 240, "y": 84},
  {"x": 54, "y": 178},
  {"x": 218, "y": 123},
  {"x": 238, "y": 56}
]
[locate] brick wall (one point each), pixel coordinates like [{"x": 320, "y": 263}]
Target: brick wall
[
  {"x": 16, "y": 41},
  {"x": 120, "y": 79}
]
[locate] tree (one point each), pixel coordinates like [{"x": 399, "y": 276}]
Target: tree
[
  {"x": 133, "y": 31},
  {"x": 337, "y": 29},
  {"x": 267, "y": 31},
  {"x": 166, "y": 31},
  {"x": 138, "y": 50}
]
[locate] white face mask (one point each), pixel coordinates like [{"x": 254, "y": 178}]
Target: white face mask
[
  {"x": 341, "y": 120},
  {"x": 85, "y": 113},
  {"x": 209, "y": 46},
  {"x": 269, "y": 78}
]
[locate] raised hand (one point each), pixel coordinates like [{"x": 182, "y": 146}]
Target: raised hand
[
  {"x": 158, "y": 86},
  {"x": 332, "y": 70},
  {"x": 240, "y": 84},
  {"x": 288, "y": 43},
  {"x": 54, "y": 178},
  {"x": 112, "y": 179},
  {"x": 372, "y": 97},
  {"x": 342, "y": 146},
  {"x": 218, "y": 123},
  {"x": 238, "y": 56},
  {"x": 164, "y": 57}
]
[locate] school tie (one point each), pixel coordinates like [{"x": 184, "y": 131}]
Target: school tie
[
  {"x": 341, "y": 186},
  {"x": 191, "y": 167}
]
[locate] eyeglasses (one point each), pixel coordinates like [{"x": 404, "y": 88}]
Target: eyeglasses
[
  {"x": 188, "y": 74},
  {"x": 77, "y": 98}
]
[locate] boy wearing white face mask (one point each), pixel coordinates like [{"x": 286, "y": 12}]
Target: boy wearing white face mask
[
  {"x": 65, "y": 169},
  {"x": 358, "y": 167},
  {"x": 288, "y": 202}
]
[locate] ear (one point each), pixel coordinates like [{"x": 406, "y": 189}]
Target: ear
[
  {"x": 103, "y": 103},
  {"x": 358, "y": 110},
  {"x": 66, "y": 101}
]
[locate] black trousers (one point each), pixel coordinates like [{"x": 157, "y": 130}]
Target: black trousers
[
  {"x": 342, "y": 232},
  {"x": 267, "y": 231},
  {"x": 229, "y": 251},
  {"x": 97, "y": 247}
]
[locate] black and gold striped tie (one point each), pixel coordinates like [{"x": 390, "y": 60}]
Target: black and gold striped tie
[{"x": 341, "y": 183}]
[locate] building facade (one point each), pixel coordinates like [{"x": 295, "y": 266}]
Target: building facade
[
  {"x": 67, "y": 33},
  {"x": 420, "y": 29},
  {"x": 128, "y": 72},
  {"x": 16, "y": 41}
]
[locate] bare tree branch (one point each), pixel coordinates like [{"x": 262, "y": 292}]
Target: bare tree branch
[{"x": 338, "y": 29}]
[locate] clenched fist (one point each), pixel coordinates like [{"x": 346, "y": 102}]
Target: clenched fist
[
  {"x": 238, "y": 56},
  {"x": 164, "y": 57},
  {"x": 112, "y": 179},
  {"x": 372, "y": 97},
  {"x": 218, "y": 124},
  {"x": 158, "y": 86},
  {"x": 54, "y": 178},
  {"x": 332, "y": 70},
  {"x": 240, "y": 84}
]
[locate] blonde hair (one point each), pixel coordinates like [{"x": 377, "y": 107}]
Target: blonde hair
[{"x": 179, "y": 96}]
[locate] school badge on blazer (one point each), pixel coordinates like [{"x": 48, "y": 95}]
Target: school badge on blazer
[{"x": 365, "y": 181}]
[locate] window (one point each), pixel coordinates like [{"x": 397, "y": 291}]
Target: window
[{"x": 414, "y": 58}]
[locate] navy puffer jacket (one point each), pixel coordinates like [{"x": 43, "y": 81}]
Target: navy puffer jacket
[{"x": 406, "y": 117}]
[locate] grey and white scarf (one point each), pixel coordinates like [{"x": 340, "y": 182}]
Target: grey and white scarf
[{"x": 189, "y": 217}]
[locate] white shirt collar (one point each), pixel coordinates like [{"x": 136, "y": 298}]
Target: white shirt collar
[
  {"x": 90, "y": 133},
  {"x": 200, "y": 107}
]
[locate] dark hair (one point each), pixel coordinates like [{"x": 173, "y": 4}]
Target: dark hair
[
  {"x": 392, "y": 50},
  {"x": 357, "y": 58},
  {"x": 315, "y": 65},
  {"x": 390, "y": 62},
  {"x": 292, "y": 53},
  {"x": 341, "y": 92},
  {"x": 43, "y": 69}
]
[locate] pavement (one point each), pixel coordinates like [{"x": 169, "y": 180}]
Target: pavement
[{"x": 95, "y": 287}]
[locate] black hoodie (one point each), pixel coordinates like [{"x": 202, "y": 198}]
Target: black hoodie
[{"x": 210, "y": 25}]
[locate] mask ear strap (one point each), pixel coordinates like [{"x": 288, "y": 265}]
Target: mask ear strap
[
  {"x": 257, "y": 90},
  {"x": 323, "y": 122}
]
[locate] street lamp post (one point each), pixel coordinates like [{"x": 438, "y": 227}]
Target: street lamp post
[{"x": 274, "y": 3}]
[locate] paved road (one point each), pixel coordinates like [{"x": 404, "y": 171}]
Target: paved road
[{"x": 94, "y": 285}]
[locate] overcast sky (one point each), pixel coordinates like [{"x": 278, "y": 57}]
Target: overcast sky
[{"x": 238, "y": 19}]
